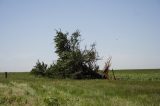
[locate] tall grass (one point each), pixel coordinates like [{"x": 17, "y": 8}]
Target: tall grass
[{"x": 135, "y": 90}]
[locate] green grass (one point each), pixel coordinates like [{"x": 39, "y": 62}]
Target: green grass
[
  {"x": 133, "y": 88},
  {"x": 138, "y": 75}
]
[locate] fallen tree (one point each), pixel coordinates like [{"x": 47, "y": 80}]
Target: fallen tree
[{"x": 73, "y": 61}]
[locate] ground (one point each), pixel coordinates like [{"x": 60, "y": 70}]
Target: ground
[{"x": 132, "y": 88}]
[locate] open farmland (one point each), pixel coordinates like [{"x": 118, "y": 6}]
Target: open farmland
[{"x": 132, "y": 88}]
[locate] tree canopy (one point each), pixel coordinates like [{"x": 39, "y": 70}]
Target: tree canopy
[{"x": 73, "y": 61}]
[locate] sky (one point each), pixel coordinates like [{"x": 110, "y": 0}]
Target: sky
[{"x": 127, "y": 30}]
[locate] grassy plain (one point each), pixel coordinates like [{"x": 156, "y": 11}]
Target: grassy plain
[{"x": 132, "y": 88}]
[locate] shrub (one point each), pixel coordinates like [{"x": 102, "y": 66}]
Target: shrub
[{"x": 39, "y": 69}]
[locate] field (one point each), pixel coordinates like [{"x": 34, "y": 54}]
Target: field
[{"x": 132, "y": 88}]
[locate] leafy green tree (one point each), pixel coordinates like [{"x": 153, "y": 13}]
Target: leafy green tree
[
  {"x": 73, "y": 62},
  {"x": 72, "y": 59}
]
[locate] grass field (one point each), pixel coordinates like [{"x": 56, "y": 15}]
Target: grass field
[{"x": 133, "y": 88}]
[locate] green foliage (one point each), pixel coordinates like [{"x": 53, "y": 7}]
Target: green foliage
[
  {"x": 39, "y": 69},
  {"x": 73, "y": 62},
  {"x": 61, "y": 43}
]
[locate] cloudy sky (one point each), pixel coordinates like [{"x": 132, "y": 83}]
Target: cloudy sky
[{"x": 127, "y": 30}]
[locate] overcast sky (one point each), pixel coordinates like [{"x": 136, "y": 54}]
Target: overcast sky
[{"x": 127, "y": 30}]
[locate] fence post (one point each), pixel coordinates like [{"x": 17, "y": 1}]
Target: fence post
[{"x": 5, "y": 74}]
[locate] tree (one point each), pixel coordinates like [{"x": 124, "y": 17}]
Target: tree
[{"x": 73, "y": 62}]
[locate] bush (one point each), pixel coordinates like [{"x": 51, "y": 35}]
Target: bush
[{"x": 39, "y": 69}]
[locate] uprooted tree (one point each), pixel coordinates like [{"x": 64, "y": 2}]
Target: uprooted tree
[{"x": 73, "y": 62}]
